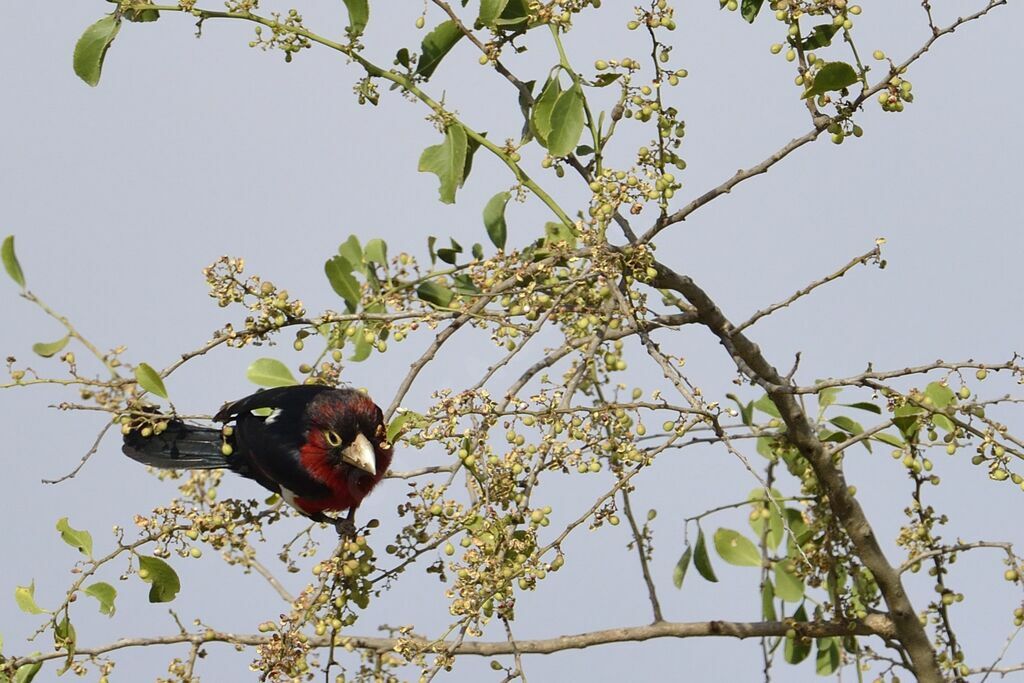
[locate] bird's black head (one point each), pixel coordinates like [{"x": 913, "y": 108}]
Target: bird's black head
[{"x": 349, "y": 428}]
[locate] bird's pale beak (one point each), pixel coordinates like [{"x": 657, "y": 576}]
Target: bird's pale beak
[{"x": 360, "y": 454}]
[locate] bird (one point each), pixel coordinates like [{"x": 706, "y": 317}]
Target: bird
[{"x": 321, "y": 449}]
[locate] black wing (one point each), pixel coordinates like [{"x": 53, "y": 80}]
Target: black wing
[{"x": 271, "y": 442}]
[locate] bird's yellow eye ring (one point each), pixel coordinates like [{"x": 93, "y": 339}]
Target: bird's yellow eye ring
[{"x": 332, "y": 438}]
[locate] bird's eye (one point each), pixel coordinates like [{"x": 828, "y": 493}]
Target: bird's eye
[{"x": 333, "y": 440}]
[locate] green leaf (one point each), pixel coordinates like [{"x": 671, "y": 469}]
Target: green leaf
[
  {"x": 827, "y": 660},
  {"x": 889, "y": 439},
  {"x": 516, "y": 13},
  {"x": 376, "y": 251},
  {"x": 141, "y": 16},
  {"x": 864, "y": 405},
  {"x": 490, "y": 10},
  {"x": 540, "y": 117},
  {"x": 943, "y": 422},
  {"x": 471, "y": 147},
  {"x": 399, "y": 422},
  {"x": 768, "y": 601},
  {"x": 75, "y": 538},
  {"x": 435, "y": 293},
  {"x": 270, "y": 372},
  {"x": 358, "y": 16},
  {"x": 436, "y": 45},
  {"x": 362, "y": 347},
  {"x": 64, "y": 635},
  {"x": 795, "y": 522},
  {"x": 908, "y": 419},
  {"x": 827, "y": 396},
  {"x": 92, "y": 48},
  {"x": 402, "y": 57},
  {"x": 776, "y": 529},
  {"x": 26, "y": 673},
  {"x": 746, "y": 411},
  {"x": 602, "y": 80},
  {"x": 796, "y": 650},
  {"x": 106, "y": 594},
  {"x": 352, "y": 252},
  {"x": 679, "y": 573},
  {"x": 163, "y": 580},
  {"x": 847, "y": 425},
  {"x": 10, "y": 260},
  {"x": 940, "y": 395},
  {"x": 820, "y": 36},
  {"x": 749, "y": 9},
  {"x": 48, "y": 349},
  {"x": 566, "y": 122},
  {"x": 25, "y": 596},
  {"x": 448, "y": 255},
  {"x": 447, "y": 161},
  {"x": 149, "y": 379},
  {"x": 788, "y": 585},
  {"x": 701, "y": 560},
  {"x": 765, "y": 405},
  {"x": 831, "y": 77},
  {"x": 555, "y": 233},
  {"x": 494, "y": 219},
  {"x": 737, "y": 549},
  {"x": 339, "y": 274}
]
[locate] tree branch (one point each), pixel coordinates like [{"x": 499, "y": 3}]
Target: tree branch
[
  {"x": 749, "y": 359},
  {"x": 872, "y": 255},
  {"x": 872, "y": 625}
]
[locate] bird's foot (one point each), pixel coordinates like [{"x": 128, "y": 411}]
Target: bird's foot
[{"x": 346, "y": 527}]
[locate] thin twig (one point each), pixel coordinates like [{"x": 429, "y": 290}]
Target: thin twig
[
  {"x": 641, "y": 550},
  {"x": 872, "y": 255}
]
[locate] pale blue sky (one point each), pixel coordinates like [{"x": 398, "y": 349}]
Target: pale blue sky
[{"x": 191, "y": 149}]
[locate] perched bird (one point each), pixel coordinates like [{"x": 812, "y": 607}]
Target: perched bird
[{"x": 321, "y": 449}]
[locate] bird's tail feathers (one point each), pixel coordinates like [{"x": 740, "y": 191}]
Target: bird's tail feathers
[{"x": 179, "y": 446}]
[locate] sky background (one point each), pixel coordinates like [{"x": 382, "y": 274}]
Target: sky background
[{"x": 190, "y": 149}]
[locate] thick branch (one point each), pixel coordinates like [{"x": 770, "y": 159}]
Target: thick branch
[
  {"x": 872, "y": 625},
  {"x": 749, "y": 359}
]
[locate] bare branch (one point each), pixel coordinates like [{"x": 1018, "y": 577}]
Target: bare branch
[
  {"x": 641, "y": 549},
  {"x": 872, "y": 255},
  {"x": 872, "y": 625},
  {"x": 85, "y": 458}
]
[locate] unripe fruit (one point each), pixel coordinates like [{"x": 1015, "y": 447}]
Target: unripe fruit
[
  {"x": 1009, "y": 575},
  {"x": 878, "y": 54},
  {"x": 420, "y": 21},
  {"x": 981, "y": 374}
]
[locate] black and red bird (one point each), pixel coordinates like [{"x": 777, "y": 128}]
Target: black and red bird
[{"x": 321, "y": 449}]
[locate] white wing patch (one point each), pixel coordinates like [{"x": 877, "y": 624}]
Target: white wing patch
[
  {"x": 274, "y": 414},
  {"x": 289, "y": 497}
]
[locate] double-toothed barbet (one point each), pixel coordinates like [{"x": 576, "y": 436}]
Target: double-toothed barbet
[{"x": 321, "y": 449}]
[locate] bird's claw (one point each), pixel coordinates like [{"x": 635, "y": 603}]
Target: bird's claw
[{"x": 345, "y": 527}]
